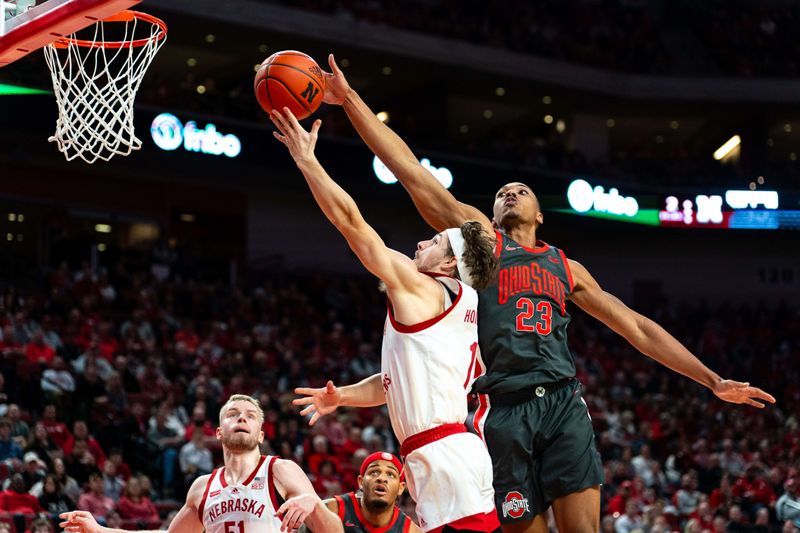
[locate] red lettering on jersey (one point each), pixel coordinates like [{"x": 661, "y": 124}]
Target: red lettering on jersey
[
  {"x": 502, "y": 286},
  {"x": 251, "y": 508},
  {"x": 536, "y": 280},
  {"x": 386, "y": 382},
  {"x": 261, "y": 510},
  {"x": 471, "y": 317}
]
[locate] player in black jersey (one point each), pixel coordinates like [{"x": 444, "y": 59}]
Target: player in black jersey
[
  {"x": 532, "y": 416},
  {"x": 375, "y": 509}
]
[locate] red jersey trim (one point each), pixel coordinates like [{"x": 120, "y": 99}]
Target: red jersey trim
[
  {"x": 478, "y": 522},
  {"x": 340, "y": 510},
  {"x": 205, "y": 494},
  {"x": 415, "y": 328},
  {"x": 566, "y": 267},
  {"x": 423, "y": 438},
  {"x": 249, "y": 478},
  {"x": 483, "y": 409},
  {"x": 541, "y": 247},
  {"x": 369, "y": 527},
  {"x": 271, "y": 481},
  {"x": 498, "y": 247},
  {"x": 407, "y": 525}
]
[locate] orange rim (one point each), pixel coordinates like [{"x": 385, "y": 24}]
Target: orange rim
[{"x": 122, "y": 16}]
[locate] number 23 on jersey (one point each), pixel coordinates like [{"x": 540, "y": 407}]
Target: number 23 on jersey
[{"x": 534, "y": 317}]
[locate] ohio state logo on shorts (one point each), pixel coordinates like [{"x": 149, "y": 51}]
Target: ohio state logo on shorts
[{"x": 515, "y": 505}]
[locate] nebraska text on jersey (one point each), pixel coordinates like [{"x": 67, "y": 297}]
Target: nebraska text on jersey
[{"x": 239, "y": 505}]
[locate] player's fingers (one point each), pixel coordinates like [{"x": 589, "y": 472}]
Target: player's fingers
[
  {"x": 762, "y": 395},
  {"x": 277, "y": 119},
  {"x": 303, "y": 401},
  {"x": 314, "y": 418},
  {"x": 284, "y": 124},
  {"x": 333, "y": 65},
  {"x": 330, "y": 388},
  {"x": 754, "y": 403},
  {"x": 287, "y": 519},
  {"x": 280, "y": 137},
  {"x": 307, "y": 410},
  {"x": 315, "y": 128},
  {"x": 291, "y": 119},
  {"x": 305, "y": 391}
]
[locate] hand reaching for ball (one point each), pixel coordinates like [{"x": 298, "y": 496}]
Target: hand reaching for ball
[
  {"x": 336, "y": 86},
  {"x": 301, "y": 143}
]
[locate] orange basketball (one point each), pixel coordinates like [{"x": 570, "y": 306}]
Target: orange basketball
[{"x": 290, "y": 79}]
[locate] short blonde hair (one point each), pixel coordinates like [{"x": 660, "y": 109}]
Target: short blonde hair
[{"x": 241, "y": 398}]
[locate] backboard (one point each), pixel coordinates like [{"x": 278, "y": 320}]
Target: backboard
[{"x": 28, "y": 25}]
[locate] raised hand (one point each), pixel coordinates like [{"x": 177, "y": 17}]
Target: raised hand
[
  {"x": 294, "y": 511},
  {"x": 336, "y": 86},
  {"x": 79, "y": 522},
  {"x": 301, "y": 143},
  {"x": 738, "y": 392},
  {"x": 321, "y": 402}
]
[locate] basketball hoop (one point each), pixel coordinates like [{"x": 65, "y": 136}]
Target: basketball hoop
[{"x": 95, "y": 82}]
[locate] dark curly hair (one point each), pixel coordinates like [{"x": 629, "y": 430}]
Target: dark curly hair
[{"x": 479, "y": 254}]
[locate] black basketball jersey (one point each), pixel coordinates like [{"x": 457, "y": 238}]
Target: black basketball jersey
[
  {"x": 354, "y": 522},
  {"x": 522, "y": 319}
]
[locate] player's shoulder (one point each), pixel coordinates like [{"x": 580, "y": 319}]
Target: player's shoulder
[{"x": 198, "y": 488}]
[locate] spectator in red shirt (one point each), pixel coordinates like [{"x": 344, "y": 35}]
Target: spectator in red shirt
[
  {"x": 38, "y": 351},
  {"x": 15, "y": 499},
  {"x": 753, "y": 489},
  {"x": 200, "y": 422},
  {"x": 616, "y": 505},
  {"x": 80, "y": 431},
  {"x": 319, "y": 454},
  {"x": 57, "y": 431},
  {"x": 723, "y": 495},
  {"x": 95, "y": 500},
  {"x": 327, "y": 484},
  {"x": 133, "y": 505}
]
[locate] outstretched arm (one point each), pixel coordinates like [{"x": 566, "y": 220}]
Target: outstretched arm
[
  {"x": 366, "y": 393},
  {"x": 186, "y": 521},
  {"x": 394, "y": 268},
  {"x": 653, "y": 341},
  {"x": 436, "y": 204},
  {"x": 302, "y": 503}
]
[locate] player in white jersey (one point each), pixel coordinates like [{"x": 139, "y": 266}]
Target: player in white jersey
[
  {"x": 430, "y": 350},
  {"x": 244, "y": 495}
]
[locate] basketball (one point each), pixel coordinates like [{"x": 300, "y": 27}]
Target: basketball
[{"x": 290, "y": 79}]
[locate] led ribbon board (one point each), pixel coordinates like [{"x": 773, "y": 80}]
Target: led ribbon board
[{"x": 169, "y": 133}]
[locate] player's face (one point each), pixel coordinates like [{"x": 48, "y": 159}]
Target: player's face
[
  {"x": 380, "y": 485},
  {"x": 432, "y": 255},
  {"x": 240, "y": 427},
  {"x": 515, "y": 203}
]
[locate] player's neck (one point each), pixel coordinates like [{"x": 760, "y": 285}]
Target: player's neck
[
  {"x": 239, "y": 465},
  {"x": 377, "y": 519},
  {"x": 522, "y": 234}
]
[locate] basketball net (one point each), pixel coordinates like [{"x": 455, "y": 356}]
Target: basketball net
[{"x": 95, "y": 83}]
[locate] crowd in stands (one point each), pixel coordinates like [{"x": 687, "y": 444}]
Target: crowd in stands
[
  {"x": 741, "y": 38},
  {"x": 111, "y": 382}
]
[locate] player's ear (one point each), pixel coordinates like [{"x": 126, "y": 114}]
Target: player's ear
[
  {"x": 218, "y": 433},
  {"x": 539, "y": 218},
  {"x": 402, "y": 489},
  {"x": 358, "y": 482},
  {"x": 495, "y": 225},
  {"x": 260, "y": 437}
]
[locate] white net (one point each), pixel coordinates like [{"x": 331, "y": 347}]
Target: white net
[{"x": 95, "y": 83}]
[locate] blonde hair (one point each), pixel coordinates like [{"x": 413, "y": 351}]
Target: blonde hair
[{"x": 241, "y": 398}]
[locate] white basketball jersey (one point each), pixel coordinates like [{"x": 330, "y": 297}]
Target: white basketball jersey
[
  {"x": 428, "y": 368},
  {"x": 246, "y": 508}
]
